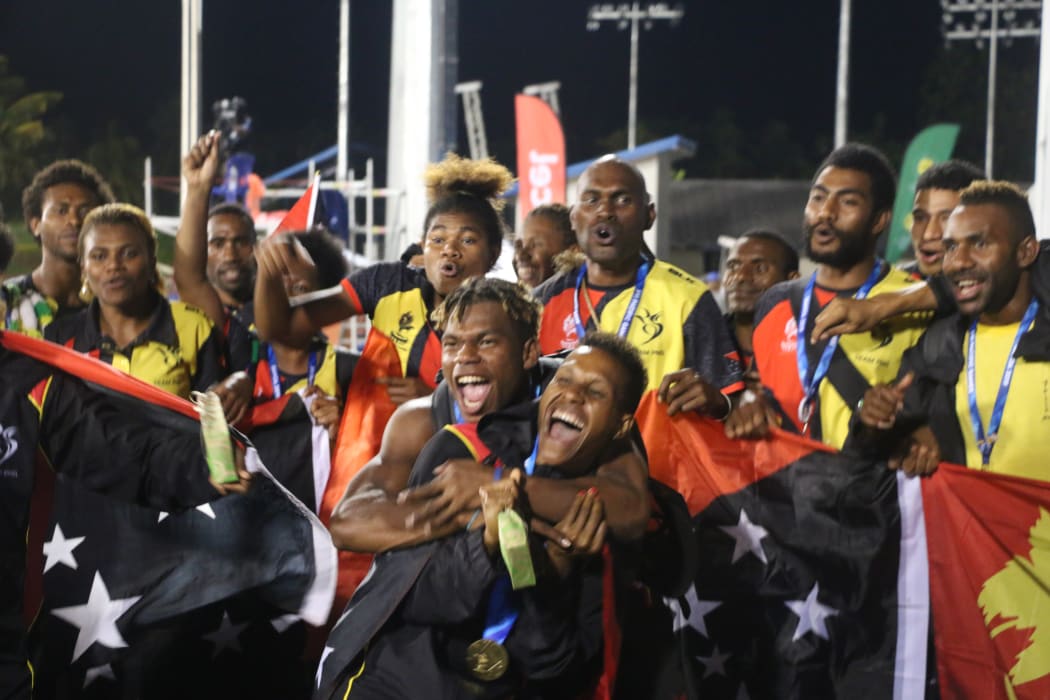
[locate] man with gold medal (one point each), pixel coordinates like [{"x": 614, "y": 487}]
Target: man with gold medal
[{"x": 504, "y": 608}]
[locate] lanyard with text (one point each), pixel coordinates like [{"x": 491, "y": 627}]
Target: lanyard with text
[
  {"x": 487, "y": 658},
  {"x": 811, "y": 382},
  {"x": 632, "y": 306},
  {"x": 275, "y": 374},
  {"x": 985, "y": 443}
]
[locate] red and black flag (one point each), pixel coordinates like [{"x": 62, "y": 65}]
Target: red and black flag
[
  {"x": 989, "y": 544},
  {"x": 810, "y": 583},
  {"x": 142, "y": 599}
]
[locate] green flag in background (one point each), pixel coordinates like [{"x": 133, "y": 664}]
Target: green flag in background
[{"x": 933, "y": 145}]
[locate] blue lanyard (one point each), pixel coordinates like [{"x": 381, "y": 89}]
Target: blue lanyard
[
  {"x": 632, "y": 306},
  {"x": 811, "y": 383},
  {"x": 503, "y": 607},
  {"x": 275, "y": 374},
  {"x": 986, "y": 444}
]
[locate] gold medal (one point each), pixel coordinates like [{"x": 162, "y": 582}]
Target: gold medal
[{"x": 487, "y": 659}]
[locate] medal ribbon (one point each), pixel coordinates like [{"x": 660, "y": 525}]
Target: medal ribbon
[
  {"x": 275, "y": 374},
  {"x": 811, "y": 383},
  {"x": 503, "y": 605},
  {"x": 986, "y": 443},
  {"x": 632, "y": 306}
]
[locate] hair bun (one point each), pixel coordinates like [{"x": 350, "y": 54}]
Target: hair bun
[{"x": 485, "y": 179}]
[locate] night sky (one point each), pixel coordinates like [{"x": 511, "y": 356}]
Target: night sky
[{"x": 751, "y": 63}]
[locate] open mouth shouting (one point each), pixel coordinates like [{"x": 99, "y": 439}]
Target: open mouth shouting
[
  {"x": 604, "y": 234},
  {"x": 473, "y": 391},
  {"x": 930, "y": 254},
  {"x": 449, "y": 269}
]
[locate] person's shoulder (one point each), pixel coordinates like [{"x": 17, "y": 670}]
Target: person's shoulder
[
  {"x": 389, "y": 276},
  {"x": 895, "y": 278},
  {"x": 68, "y": 326},
  {"x": 19, "y": 284},
  {"x": 555, "y": 285},
  {"x": 779, "y": 293},
  {"x": 912, "y": 269},
  {"x": 675, "y": 275},
  {"x": 184, "y": 313}
]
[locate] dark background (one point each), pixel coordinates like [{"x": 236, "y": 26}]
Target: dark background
[{"x": 752, "y": 82}]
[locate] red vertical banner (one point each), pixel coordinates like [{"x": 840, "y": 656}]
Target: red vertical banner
[{"x": 541, "y": 154}]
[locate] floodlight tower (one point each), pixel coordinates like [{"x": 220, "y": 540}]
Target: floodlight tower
[
  {"x": 548, "y": 92},
  {"x": 990, "y": 20},
  {"x": 631, "y": 15}
]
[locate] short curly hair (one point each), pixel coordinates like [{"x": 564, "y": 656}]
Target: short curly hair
[
  {"x": 521, "y": 307},
  {"x": 327, "y": 254},
  {"x": 1006, "y": 195},
  {"x": 59, "y": 173},
  {"x": 634, "y": 376},
  {"x": 558, "y": 216}
]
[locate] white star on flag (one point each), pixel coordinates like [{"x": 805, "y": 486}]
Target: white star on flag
[
  {"x": 811, "y": 614},
  {"x": 96, "y": 619},
  {"x": 59, "y": 550},
  {"x": 747, "y": 537},
  {"x": 225, "y": 636},
  {"x": 716, "y": 663},
  {"x": 105, "y": 671},
  {"x": 697, "y": 610}
]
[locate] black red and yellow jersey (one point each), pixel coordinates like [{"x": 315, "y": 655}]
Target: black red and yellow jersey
[
  {"x": 677, "y": 323},
  {"x": 28, "y": 310},
  {"x": 397, "y": 298},
  {"x": 876, "y": 355},
  {"x": 334, "y": 369},
  {"x": 180, "y": 351}
]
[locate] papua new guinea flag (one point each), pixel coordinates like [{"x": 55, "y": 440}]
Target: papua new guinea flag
[
  {"x": 135, "y": 593},
  {"x": 812, "y": 579},
  {"x": 989, "y": 543}
]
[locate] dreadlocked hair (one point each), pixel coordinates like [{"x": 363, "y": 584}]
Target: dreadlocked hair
[
  {"x": 521, "y": 307},
  {"x": 472, "y": 187}
]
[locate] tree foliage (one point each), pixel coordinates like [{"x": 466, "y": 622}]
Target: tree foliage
[{"x": 23, "y": 133}]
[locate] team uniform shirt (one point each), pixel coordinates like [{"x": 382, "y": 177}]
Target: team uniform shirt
[
  {"x": 874, "y": 356},
  {"x": 28, "y": 310},
  {"x": 180, "y": 351},
  {"x": 397, "y": 298},
  {"x": 332, "y": 376},
  {"x": 677, "y": 323},
  {"x": 1026, "y": 415}
]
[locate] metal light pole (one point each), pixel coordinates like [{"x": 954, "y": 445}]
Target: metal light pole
[
  {"x": 189, "y": 119},
  {"x": 980, "y": 20},
  {"x": 342, "y": 163},
  {"x": 842, "y": 78},
  {"x": 624, "y": 15}
]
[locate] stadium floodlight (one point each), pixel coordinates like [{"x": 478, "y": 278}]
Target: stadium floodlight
[
  {"x": 990, "y": 20},
  {"x": 631, "y": 15}
]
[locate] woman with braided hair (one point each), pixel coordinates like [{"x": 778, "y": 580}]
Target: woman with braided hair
[{"x": 462, "y": 233}]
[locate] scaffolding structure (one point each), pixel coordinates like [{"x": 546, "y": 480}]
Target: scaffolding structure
[{"x": 372, "y": 238}]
